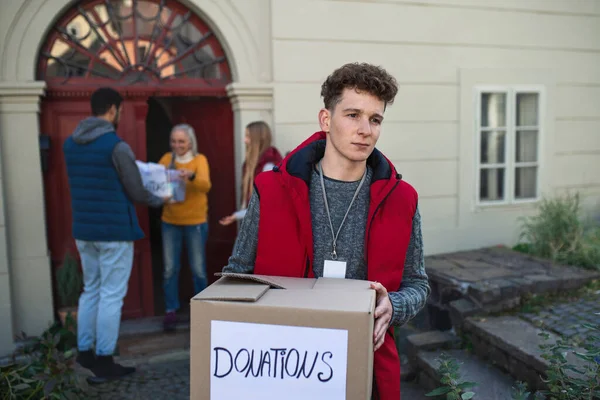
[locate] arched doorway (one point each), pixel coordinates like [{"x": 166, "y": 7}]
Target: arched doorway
[{"x": 170, "y": 68}]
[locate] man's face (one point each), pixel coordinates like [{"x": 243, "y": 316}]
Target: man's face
[
  {"x": 354, "y": 125},
  {"x": 115, "y": 115}
]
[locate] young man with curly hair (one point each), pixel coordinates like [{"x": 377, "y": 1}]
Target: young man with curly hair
[{"x": 336, "y": 207}]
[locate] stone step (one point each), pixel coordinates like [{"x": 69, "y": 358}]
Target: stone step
[
  {"x": 513, "y": 345},
  {"x": 412, "y": 391},
  {"x": 492, "y": 384},
  {"x": 429, "y": 341},
  {"x": 493, "y": 280}
]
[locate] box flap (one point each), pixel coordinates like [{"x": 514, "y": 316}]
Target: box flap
[
  {"x": 361, "y": 301},
  {"x": 276, "y": 282},
  {"x": 342, "y": 284},
  {"x": 228, "y": 289}
]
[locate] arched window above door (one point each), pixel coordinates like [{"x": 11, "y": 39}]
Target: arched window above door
[{"x": 133, "y": 42}]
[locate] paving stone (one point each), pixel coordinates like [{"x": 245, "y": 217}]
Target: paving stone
[
  {"x": 507, "y": 287},
  {"x": 412, "y": 391},
  {"x": 492, "y": 384},
  {"x": 525, "y": 285},
  {"x": 461, "y": 309},
  {"x": 570, "y": 277},
  {"x": 170, "y": 381},
  {"x": 567, "y": 319},
  {"x": 461, "y": 274},
  {"x": 543, "y": 283},
  {"x": 513, "y": 259},
  {"x": 484, "y": 292},
  {"x": 431, "y": 340},
  {"x": 438, "y": 264},
  {"x": 471, "y": 264}
]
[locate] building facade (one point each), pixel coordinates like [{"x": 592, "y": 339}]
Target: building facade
[{"x": 499, "y": 105}]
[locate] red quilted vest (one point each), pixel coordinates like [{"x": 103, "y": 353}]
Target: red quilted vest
[{"x": 285, "y": 241}]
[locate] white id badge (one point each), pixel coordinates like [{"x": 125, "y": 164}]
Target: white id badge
[{"x": 334, "y": 269}]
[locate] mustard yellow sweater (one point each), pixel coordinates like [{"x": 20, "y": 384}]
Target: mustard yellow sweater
[{"x": 194, "y": 209}]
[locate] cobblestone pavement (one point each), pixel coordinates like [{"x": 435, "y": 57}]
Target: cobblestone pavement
[
  {"x": 169, "y": 381},
  {"x": 567, "y": 318}
]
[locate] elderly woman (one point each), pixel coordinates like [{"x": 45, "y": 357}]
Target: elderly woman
[{"x": 186, "y": 220}]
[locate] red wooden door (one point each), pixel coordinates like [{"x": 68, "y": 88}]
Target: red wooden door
[
  {"x": 212, "y": 119},
  {"x": 59, "y": 118}
]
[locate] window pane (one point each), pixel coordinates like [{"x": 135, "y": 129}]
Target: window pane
[
  {"x": 493, "y": 110},
  {"x": 526, "y": 182},
  {"x": 527, "y": 109},
  {"x": 526, "y": 146},
  {"x": 492, "y": 147},
  {"x": 491, "y": 184}
]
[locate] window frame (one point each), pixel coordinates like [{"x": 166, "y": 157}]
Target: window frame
[{"x": 510, "y": 164}]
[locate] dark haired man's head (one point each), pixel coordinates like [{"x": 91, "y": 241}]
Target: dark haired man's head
[
  {"x": 106, "y": 104},
  {"x": 355, "y": 97},
  {"x": 361, "y": 77}
]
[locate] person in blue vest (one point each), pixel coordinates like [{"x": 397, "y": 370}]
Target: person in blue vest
[{"x": 104, "y": 183}]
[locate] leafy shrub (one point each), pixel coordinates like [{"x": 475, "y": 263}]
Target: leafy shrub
[
  {"x": 567, "y": 381},
  {"x": 69, "y": 281},
  {"x": 48, "y": 371},
  {"x": 557, "y": 232},
  {"x": 450, "y": 377}
]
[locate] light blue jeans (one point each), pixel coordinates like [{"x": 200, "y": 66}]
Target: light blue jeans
[
  {"x": 106, "y": 270},
  {"x": 195, "y": 237}
]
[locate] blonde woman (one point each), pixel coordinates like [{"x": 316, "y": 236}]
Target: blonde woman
[
  {"x": 260, "y": 156},
  {"x": 186, "y": 220}
]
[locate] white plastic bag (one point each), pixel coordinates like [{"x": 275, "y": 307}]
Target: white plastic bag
[{"x": 160, "y": 181}]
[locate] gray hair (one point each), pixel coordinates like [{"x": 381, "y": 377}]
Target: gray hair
[{"x": 191, "y": 134}]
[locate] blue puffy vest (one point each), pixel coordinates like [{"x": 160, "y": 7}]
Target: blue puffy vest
[{"x": 100, "y": 208}]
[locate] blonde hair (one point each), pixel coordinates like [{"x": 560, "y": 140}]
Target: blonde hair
[{"x": 260, "y": 140}]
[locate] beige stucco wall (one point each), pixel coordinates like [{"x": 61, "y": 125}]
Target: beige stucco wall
[{"x": 438, "y": 50}]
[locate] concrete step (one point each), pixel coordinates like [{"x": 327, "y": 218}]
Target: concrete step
[
  {"x": 429, "y": 341},
  {"x": 492, "y": 384},
  {"x": 513, "y": 345},
  {"x": 412, "y": 391}
]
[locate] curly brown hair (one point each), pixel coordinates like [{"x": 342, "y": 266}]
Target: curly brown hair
[{"x": 362, "y": 77}]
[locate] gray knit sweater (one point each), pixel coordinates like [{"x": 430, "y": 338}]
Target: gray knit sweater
[{"x": 413, "y": 293}]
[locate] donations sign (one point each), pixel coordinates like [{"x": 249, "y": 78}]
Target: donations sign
[{"x": 274, "y": 362}]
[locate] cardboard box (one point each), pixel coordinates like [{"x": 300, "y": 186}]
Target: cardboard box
[{"x": 266, "y": 337}]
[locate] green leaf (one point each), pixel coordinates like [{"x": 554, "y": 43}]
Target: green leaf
[
  {"x": 467, "y": 395},
  {"x": 452, "y": 396},
  {"x": 21, "y": 386},
  {"x": 70, "y": 396},
  {"x": 439, "y": 391},
  {"x": 466, "y": 385},
  {"x": 49, "y": 386}
]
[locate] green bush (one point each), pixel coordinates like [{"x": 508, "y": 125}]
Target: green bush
[
  {"x": 69, "y": 282},
  {"x": 567, "y": 381},
  {"x": 47, "y": 372},
  {"x": 558, "y": 232}
]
